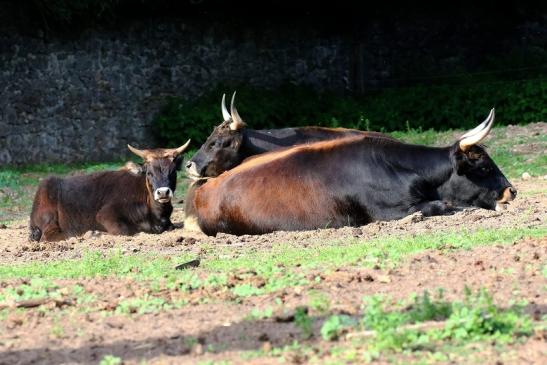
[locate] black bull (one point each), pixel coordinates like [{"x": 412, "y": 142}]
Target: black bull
[
  {"x": 350, "y": 181},
  {"x": 231, "y": 142}
]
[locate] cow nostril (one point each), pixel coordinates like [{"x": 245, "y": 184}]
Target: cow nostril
[
  {"x": 513, "y": 191},
  {"x": 189, "y": 164}
]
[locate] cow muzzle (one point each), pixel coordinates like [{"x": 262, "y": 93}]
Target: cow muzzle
[
  {"x": 192, "y": 171},
  {"x": 163, "y": 195},
  {"x": 507, "y": 195}
]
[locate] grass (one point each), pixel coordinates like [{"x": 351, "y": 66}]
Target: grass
[
  {"x": 281, "y": 267},
  {"x": 428, "y": 325}
]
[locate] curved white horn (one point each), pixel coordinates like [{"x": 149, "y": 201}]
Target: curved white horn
[
  {"x": 477, "y": 134},
  {"x": 225, "y": 113},
  {"x": 140, "y": 153},
  {"x": 181, "y": 149},
  {"x": 237, "y": 122}
]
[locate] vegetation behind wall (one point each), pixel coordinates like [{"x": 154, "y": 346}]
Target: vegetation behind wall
[{"x": 438, "y": 107}]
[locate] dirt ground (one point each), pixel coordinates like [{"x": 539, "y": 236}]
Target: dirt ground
[
  {"x": 222, "y": 330},
  {"x": 181, "y": 335}
]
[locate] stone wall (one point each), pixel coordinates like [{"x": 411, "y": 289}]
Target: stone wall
[{"x": 84, "y": 99}]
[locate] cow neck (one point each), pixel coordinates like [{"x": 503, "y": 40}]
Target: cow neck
[
  {"x": 161, "y": 210},
  {"x": 433, "y": 164},
  {"x": 260, "y": 141}
]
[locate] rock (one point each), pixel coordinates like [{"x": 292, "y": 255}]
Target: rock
[
  {"x": 384, "y": 279},
  {"x": 413, "y": 218},
  {"x": 267, "y": 346},
  {"x": 526, "y": 176},
  {"x": 198, "y": 349},
  {"x": 189, "y": 241},
  {"x": 287, "y": 315}
]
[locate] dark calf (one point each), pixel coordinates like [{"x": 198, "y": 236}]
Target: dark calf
[{"x": 118, "y": 202}]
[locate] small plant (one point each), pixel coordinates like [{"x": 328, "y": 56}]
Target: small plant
[
  {"x": 476, "y": 318},
  {"x": 246, "y": 290},
  {"x": 111, "y": 360},
  {"x": 303, "y": 321},
  {"x": 319, "y": 301},
  {"x": 335, "y": 325},
  {"x": 146, "y": 304},
  {"x": 258, "y": 314}
]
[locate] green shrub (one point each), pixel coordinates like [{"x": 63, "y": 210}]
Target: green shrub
[{"x": 439, "y": 107}]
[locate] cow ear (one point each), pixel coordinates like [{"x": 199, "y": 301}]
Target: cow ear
[
  {"x": 178, "y": 162},
  {"x": 462, "y": 163},
  {"x": 466, "y": 160}
]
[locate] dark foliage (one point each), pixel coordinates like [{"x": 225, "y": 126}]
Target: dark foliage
[{"x": 438, "y": 107}]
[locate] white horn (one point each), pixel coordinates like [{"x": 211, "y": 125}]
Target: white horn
[
  {"x": 225, "y": 113},
  {"x": 477, "y": 134},
  {"x": 140, "y": 153},
  {"x": 237, "y": 122},
  {"x": 181, "y": 149}
]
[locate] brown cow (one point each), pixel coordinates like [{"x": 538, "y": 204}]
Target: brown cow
[
  {"x": 118, "y": 202},
  {"x": 350, "y": 181}
]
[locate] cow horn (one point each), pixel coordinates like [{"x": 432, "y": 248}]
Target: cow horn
[
  {"x": 140, "y": 153},
  {"x": 225, "y": 113},
  {"x": 181, "y": 149},
  {"x": 477, "y": 134},
  {"x": 237, "y": 122}
]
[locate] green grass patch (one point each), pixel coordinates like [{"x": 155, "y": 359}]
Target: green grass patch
[
  {"x": 146, "y": 304},
  {"x": 37, "y": 288},
  {"x": 281, "y": 267},
  {"x": 429, "y": 323}
]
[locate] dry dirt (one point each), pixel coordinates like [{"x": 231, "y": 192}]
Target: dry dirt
[{"x": 222, "y": 330}]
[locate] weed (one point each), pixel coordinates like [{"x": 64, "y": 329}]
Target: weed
[
  {"x": 319, "y": 301},
  {"x": 246, "y": 290},
  {"x": 334, "y": 326},
  {"x": 37, "y": 288},
  {"x": 57, "y": 330},
  {"x": 259, "y": 314},
  {"x": 303, "y": 321},
  {"x": 110, "y": 360},
  {"x": 146, "y": 304}
]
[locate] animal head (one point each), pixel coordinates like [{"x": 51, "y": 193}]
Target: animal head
[
  {"x": 221, "y": 151},
  {"x": 477, "y": 180},
  {"x": 160, "y": 166}
]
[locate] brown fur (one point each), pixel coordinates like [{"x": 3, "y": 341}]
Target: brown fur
[
  {"x": 236, "y": 199},
  {"x": 118, "y": 202}
]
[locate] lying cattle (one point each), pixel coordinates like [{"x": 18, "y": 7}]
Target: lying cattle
[
  {"x": 350, "y": 181},
  {"x": 119, "y": 202},
  {"x": 231, "y": 143}
]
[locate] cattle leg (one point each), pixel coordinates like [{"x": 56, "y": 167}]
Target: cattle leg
[
  {"x": 52, "y": 232},
  {"x": 111, "y": 221},
  {"x": 435, "y": 207}
]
